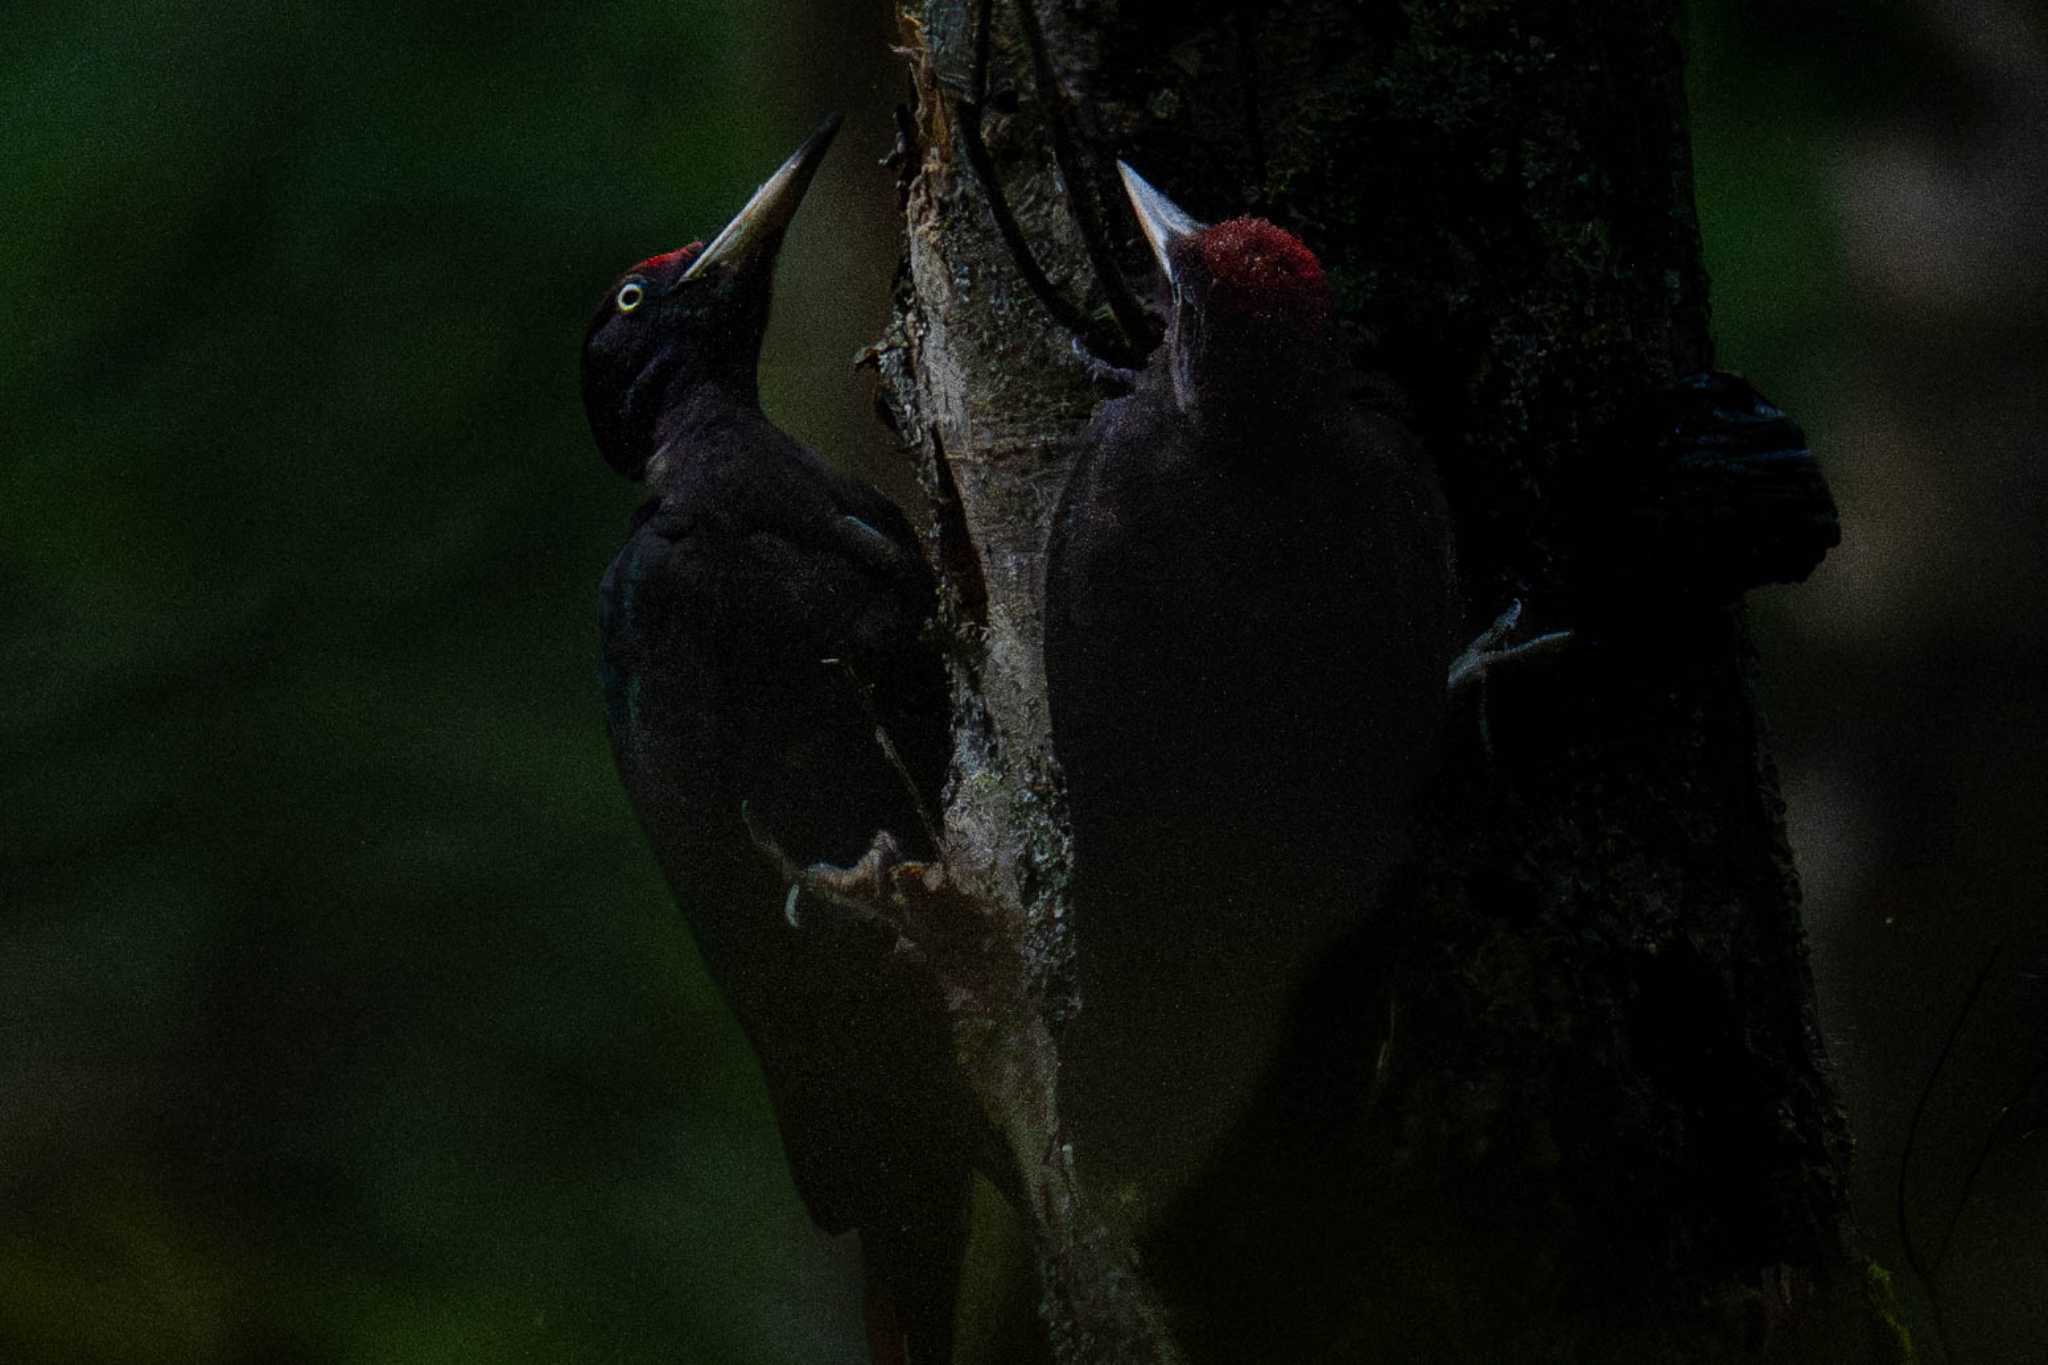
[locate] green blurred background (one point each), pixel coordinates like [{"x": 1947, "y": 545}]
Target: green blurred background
[{"x": 343, "y": 1015}]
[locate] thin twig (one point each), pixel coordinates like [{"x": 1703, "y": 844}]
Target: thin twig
[
  {"x": 967, "y": 116},
  {"x": 1137, "y": 328},
  {"x": 1977, "y": 1166},
  {"x": 1948, "y": 1044}
]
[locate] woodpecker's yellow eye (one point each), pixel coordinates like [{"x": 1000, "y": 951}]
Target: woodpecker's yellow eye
[{"x": 630, "y": 294}]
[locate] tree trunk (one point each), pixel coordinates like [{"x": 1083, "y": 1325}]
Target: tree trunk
[{"x": 1567, "y": 1100}]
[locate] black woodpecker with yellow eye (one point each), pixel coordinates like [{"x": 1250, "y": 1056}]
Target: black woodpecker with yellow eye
[{"x": 765, "y": 616}]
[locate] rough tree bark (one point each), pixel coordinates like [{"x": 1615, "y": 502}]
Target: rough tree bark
[{"x": 1566, "y": 1099}]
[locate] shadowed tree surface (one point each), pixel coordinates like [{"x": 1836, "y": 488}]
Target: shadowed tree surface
[
  {"x": 343, "y": 1014},
  {"x": 1595, "y": 1124}
]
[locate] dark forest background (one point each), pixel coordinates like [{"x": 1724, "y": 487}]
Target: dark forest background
[{"x": 343, "y": 1014}]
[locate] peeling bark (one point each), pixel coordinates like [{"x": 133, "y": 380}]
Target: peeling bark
[{"x": 1567, "y": 1098}]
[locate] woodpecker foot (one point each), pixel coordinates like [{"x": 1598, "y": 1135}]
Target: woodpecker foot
[
  {"x": 936, "y": 922},
  {"x": 1490, "y": 650},
  {"x": 861, "y": 888},
  {"x": 1112, "y": 381}
]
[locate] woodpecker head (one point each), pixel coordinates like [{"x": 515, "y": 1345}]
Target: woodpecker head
[
  {"x": 1250, "y": 311},
  {"x": 689, "y": 317}
]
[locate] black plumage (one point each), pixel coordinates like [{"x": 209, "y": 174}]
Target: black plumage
[
  {"x": 1248, "y": 620},
  {"x": 765, "y": 614}
]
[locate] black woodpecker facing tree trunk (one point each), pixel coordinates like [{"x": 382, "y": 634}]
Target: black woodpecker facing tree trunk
[{"x": 1563, "y": 1097}]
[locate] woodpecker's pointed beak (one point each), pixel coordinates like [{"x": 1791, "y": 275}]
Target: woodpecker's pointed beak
[
  {"x": 757, "y": 230},
  {"x": 1164, "y": 221}
]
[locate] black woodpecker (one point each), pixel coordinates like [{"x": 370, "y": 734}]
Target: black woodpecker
[
  {"x": 764, "y": 618},
  {"x": 1249, "y": 613}
]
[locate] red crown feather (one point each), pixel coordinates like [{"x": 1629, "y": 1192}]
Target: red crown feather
[
  {"x": 654, "y": 265},
  {"x": 1264, "y": 271}
]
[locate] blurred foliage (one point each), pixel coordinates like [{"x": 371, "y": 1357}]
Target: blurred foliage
[
  {"x": 343, "y": 1015},
  {"x": 1874, "y": 208}
]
